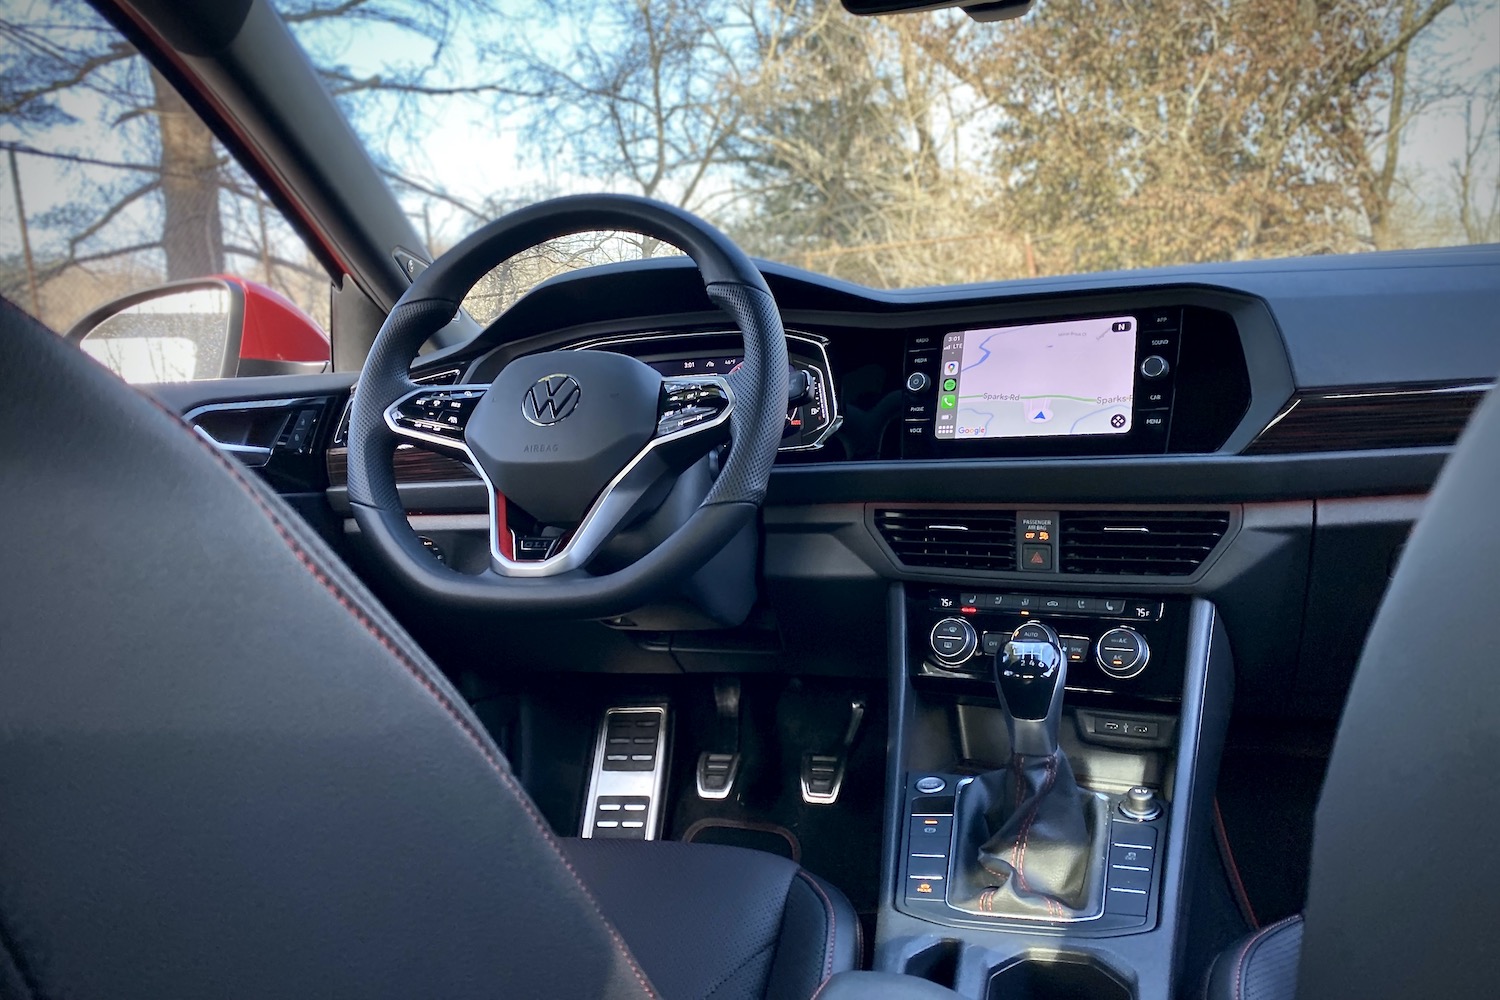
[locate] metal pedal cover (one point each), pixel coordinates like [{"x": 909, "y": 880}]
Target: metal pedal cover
[
  {"x": 716, "y": 774},
  {"x": 628, "y": 777}
]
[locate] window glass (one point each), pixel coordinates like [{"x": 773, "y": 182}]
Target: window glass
[
  {"x": 113, "y": 184},
  {"x": 933, "y": 149}
]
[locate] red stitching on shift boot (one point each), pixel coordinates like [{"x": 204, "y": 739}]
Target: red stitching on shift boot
[{"x": 1020, "y": 852}]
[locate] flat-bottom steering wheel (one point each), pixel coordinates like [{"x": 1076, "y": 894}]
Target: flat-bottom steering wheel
[{"x": 583, "y": 441}]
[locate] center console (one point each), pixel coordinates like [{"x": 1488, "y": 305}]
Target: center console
[{"x": 1053, "y": 769}]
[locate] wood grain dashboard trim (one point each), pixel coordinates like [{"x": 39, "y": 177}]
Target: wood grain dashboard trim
[
  {"x": 412, "y": 465},
  {"x": 1367, "y": 418}
]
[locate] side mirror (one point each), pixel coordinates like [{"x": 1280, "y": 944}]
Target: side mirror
[{"x": 218, "y": 327}]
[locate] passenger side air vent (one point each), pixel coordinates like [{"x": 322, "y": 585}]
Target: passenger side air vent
[
  {"x": 950, "y": 539},
  {"x": 1139, "y": 543}
]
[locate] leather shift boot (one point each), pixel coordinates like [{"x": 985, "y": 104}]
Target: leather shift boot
[{"x": 1031, "y": 843}]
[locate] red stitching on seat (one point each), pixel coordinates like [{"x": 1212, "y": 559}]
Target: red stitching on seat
[
  {"x": 1258, "y": 936},
  {"x": 833, "y": 928},
  {"x": 421, "y": 677}
]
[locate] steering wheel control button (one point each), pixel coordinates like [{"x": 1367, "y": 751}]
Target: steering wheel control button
[
  {"x": 931, "y": 784},
  {"x": 1140, "y": 804},
  {"x": 1155, "y": 366},
  {"x": 1122, "y": 652},
  {"x": 437, "y": 415},
  {"x": 917, "y": 382},
  {"x": 687, "y": 403},
  {"x": 953, "y": 641}
]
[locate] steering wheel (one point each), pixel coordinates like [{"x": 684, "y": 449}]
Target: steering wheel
[{"x": 585, "y": 441}]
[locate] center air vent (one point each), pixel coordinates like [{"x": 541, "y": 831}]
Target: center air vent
[
  {"x": 1139, "y": 543},
  {"x": 950, "y": 539}
]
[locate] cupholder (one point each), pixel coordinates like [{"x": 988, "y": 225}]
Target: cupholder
[{"x": 1061, "y": 978}]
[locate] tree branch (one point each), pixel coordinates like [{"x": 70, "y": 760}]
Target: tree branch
[
  {"x": 342, "y": 83},
  {"x": 110, "y": 215},
  {"x": 81, "y": 72}
]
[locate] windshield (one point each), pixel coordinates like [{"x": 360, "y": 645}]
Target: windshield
[
  {"x": 930, "y": 149},
  {"x": 922, "y": 149}
]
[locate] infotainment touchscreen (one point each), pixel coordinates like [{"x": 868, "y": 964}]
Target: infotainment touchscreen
[{"x": 1038, "y": 380}]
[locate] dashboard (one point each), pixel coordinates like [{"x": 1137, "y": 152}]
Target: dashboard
[{"x": 1278, "y": 425}]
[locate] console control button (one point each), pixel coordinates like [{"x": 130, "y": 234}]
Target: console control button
[
  {"x": 931, "y": 783},
  {"x": 1129, "y": 877},
  {"x": 1126, "y": 902},
  {"x": 1140, "y": 803},
  {"x": 1161, "y": 318},
  {"x": 1076, "y": 646},
  {"x": 1032, "y": 632},
  {"x": 1155, "y": 366},
  {"x": 917, "y": 382},
  {"x": 1122, "y": 652},
  {"x": 933, "y": 868},
  {"x": 1037, "y": 558},
  {"x": 953, "y": 641},
  {"x": 930, "y": 834}
]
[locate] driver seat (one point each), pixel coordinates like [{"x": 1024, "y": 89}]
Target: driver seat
[{"x": 226, "y": 771}]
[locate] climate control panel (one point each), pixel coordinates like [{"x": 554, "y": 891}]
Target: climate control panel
[{"x": 1114, "y": 645}]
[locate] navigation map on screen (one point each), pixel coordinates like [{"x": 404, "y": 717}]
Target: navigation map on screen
[{"x": 1038, "y": 380}]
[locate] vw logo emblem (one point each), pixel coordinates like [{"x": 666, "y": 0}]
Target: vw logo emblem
[{"x": 550, "y": 399}]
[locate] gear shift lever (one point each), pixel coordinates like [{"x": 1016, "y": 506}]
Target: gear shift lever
[
  {"x": 1029, "y": 841},
  {"x": 1030, "y": 671}
]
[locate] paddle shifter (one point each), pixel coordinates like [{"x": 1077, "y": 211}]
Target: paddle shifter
[{"x": 1029, "y": 842}]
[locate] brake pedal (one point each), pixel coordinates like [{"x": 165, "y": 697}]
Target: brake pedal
[
  {"x": 823, "y": 773},
  {"x": 628, "y": 777}
]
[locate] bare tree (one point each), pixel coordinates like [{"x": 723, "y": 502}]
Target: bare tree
[
  {"x": 1213, "y": 129},
  {"x": 1478, "y": 209},
  {"x": 175, "y": 193}
]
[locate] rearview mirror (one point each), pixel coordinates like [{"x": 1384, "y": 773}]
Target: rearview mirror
[
  {"x": 982, "y": 10},
  {"x": 216, "y": 327}
]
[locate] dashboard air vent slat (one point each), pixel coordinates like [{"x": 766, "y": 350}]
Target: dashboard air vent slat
[
  {"x": 950, "y": 539},
  {"x": 1139, "y": 543}
]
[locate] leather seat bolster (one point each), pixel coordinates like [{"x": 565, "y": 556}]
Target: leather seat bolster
[
  {"x": 708, "y": 921},
  {"x": 1262, "y": 966},
  {"x": 820, "y": 936}
]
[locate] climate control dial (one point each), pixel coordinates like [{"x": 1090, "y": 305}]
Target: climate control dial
[
  {"x": 953, "y": 641},
  {"x": 1122, "y": 652}
]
